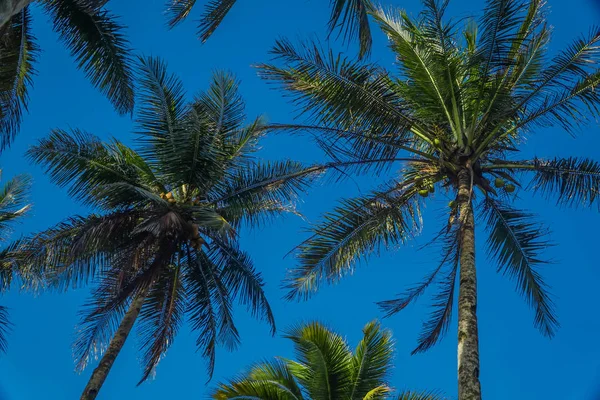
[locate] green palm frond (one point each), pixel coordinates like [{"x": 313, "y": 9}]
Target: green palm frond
[
  {"x": 18, "y": 53},
  {"x": 428, "y": 395},
  {"x": 323, "y": 359},
  {"x": 354, "y": 229},
  {"x": 371, "y": 361},
  {"x": 573, "y": 181},
  {"x": 96, "y": 40},
  {"x": 267, "y": 380},
  {"x": 336, "y": 91},
  {"x": 515, "y": 241},
  {"x": 215, "y": 12}
]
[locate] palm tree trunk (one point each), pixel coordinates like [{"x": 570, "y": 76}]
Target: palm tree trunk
[
  {"x": 469, "y": 387},
  {"x": 114, "y": 348},
  {"x": 8, "y": 8}
]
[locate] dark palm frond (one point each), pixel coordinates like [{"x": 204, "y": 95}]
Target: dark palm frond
[
  {"x": 5, "y": 327},
  {"x": 13, "y": 202},
  {"x": 337, "y": 91},
  {"x": 323, "y": 360},
  {"x": 352, "y": 230},
  {"x": 18, "y": 52},
  {"x": 178, "y": 10},
  {"x": 371, "y": 361},
  {"x": 160, "y": 317},
  {"x": 11, "y": 262},
  {"x": 96, "y": 40},
  {"x": 214, "y": 14},
  {"x": 437, "y": 325},
  {"x": 426, "y": 395},
  {"x": 515, "y": 241},
  {"x": 572, "y": 180},
  {"x": 351, "y": 17},
  {"x": 241, "y": 279}
]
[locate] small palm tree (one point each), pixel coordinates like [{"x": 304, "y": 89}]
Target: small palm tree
[
  {"x": 465, "y": 97},
  {"x": 349, "y": 16},
  {"x": 13, "y": 206},
  {"x": 164, "y": 243},
  {"x": 326, "y": 369},
  {"x": 92, "y": 35}
]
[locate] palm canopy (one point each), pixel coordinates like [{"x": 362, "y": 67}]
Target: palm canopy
[
  {"x": 168, "y": 215},
  {"x": 349, "y": 17},
  {"x": 460, "y": 102},
  {"x": 13, "y": 206},
  {"x": 93, "y": 36},
  {"x": 326, "y": 368}
]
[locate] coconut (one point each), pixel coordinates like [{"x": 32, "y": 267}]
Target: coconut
[
  {"x": 431, "y": 189},
  {"x": 437, "y": 141},
  {"x": 499, "y": 182},
  {"x": 424, "y": 192},
  {"x": 510, "y": 188},
  {"x": 171, "y": 200},
  {"x": 451, "y": 204},
  {"x": 169, "y": 196}
]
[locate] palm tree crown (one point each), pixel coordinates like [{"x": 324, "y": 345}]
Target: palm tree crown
[
  {"x": 350, "y": 17},
  {"x": 94, "y": 38},
  {"x": 168, "y": 213},
  {"x": 326, "y": 368},
  {"x": 456, "y": 112}
]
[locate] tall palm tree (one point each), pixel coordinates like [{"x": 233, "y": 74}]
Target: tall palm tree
[
  {"x": 94, "y": 38},
  {"x": 13, "y": 206},
  {"x": 163, "y": 245},
  {"x": 326, "y": 369},
  {"x": 349, "y": 17},
  {"x": 464, "y": 97}
]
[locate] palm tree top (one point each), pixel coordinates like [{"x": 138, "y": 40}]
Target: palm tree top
[
  {"x": 325, "y": 368},
  {"x": 167, "y": 216},
  {"x": 462, "y": 98}
]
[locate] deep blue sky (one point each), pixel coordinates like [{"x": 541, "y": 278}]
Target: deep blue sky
[{"x": 517, "y": 362}]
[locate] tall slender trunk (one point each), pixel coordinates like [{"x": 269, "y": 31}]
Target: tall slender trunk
[
  {"x": 114, "y": 348},
  {"x": 469, "y": 387},
  {"x": 9, "y": 8}
]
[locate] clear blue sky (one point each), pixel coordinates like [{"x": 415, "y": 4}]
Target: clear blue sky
[{"x": 517, "y": 362}]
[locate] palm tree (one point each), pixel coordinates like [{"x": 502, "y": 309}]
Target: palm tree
[
  {"x": 164, "y": 245},
  {"x": 464, "y": 98},
  {"x": 326, "y": 369},
  {"x": 13, "y": 206},
  {"x": 94, "y": 38},
  {"x": 350, "y": 17}
]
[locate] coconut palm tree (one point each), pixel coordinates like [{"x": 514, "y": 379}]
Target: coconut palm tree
[
  {"x": 349, "y": 17},
  {"x": 13, "y": 206},
  {"x": 94, "y": 38},
  {"x": 464, "y": 97},
  {"x": 326, "y": 369},
  {"x": 163, "y": 245}
]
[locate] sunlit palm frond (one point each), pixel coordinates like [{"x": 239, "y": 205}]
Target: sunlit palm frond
[
  {"x": 354, "y": 229},
  {"x": 96, "y": 40},
  {"x": 515, "y": 241},
  {"x": 18, "y": 53}
]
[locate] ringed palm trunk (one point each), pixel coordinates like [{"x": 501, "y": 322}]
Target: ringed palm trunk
[
  {"x": 469, "y": 387},
  {"x": 114, "y": 348},
  {"x": 8, "y": 8}
]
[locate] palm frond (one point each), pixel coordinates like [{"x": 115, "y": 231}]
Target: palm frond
[
  {"x": 337, "y": 91},
  {"x": 96, "y": 40},
  {"x": 515, "y": 241},
  {"x": 160, "y": 317},
  {"x": 371, "y": 362},
  {"x": 351, "y": 17},
  {"x": 354, "y": 229},
  {"x": 178, "y": 10},
  {"x": 18, "y": 52},
  {"x": 572, "y": 180},
  {"x": 5, "y": 327},
  {"x": 214, "y": 14},
  {"x": 439, "y": 321},
  {"x": 426, "y": 395},
  {"x": 323, "y": 360}
]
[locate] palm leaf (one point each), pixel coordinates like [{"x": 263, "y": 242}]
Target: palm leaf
[
  {"x": 96, "y": 40},
  {"x": 515, "y": 241},
  {"x": 5, "y": 327},
  {"x": 18, "y": 52},
  {"x": 351, "y": 17},
  {"x": 214, "y": 13},
  {"x": 178, "y": 10}
]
